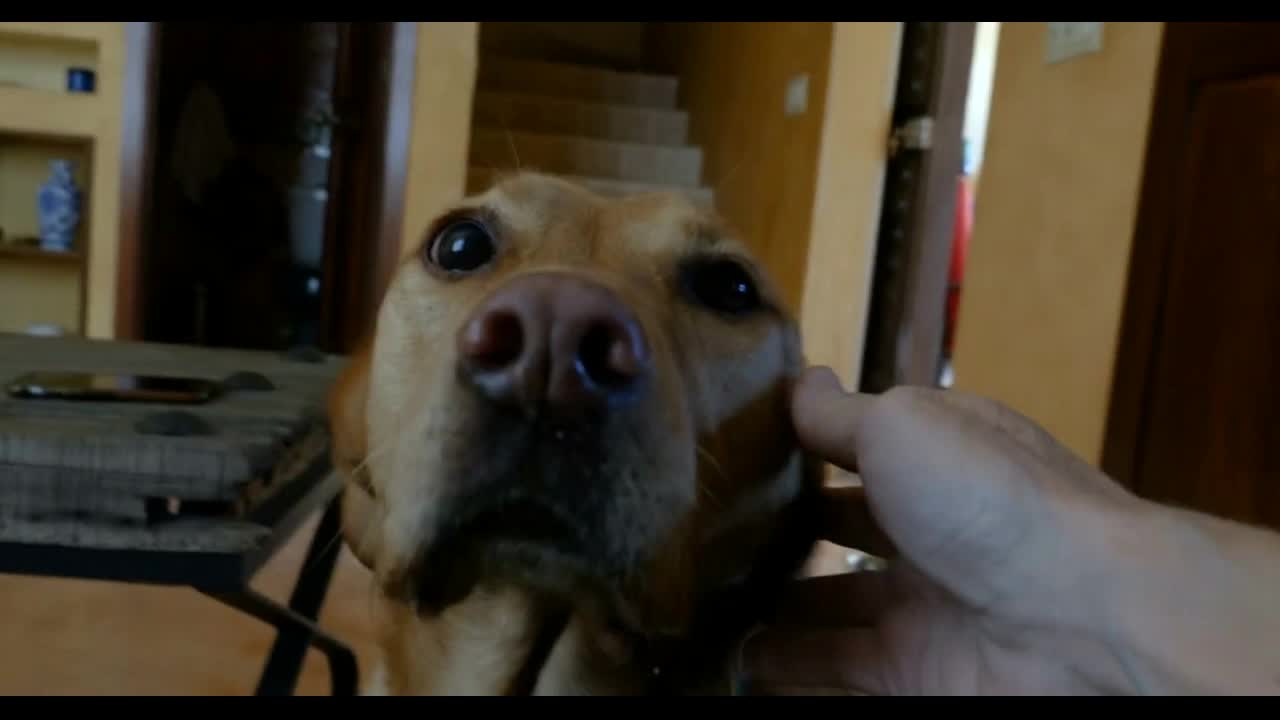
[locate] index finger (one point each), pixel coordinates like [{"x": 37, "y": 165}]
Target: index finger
[{"x": 827, "y": 418}]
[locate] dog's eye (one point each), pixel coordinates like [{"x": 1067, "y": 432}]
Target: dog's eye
[
  {"x": 722, "y": 285},
  {"x": 461, "y": 247}
]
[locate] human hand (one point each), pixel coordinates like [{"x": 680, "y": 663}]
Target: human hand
[{"x": 1001, "y": 543}]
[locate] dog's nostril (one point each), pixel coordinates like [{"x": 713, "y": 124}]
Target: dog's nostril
[
  {"x": 607, "y": 358},
  {"x": 494, "y": 340},
  {"x": 553, "y": 344}
]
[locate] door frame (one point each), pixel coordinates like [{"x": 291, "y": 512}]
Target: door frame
[
  {"x": 137, "y": 139},
  {"x": 363, "y": 232},
  {"x": 907, "y": 314}
]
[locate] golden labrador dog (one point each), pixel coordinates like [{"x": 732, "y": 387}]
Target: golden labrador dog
[{"x": 570, "y": 461}]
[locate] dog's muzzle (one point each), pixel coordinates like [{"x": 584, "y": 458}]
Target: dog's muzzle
[{"x": 555, "y": 483}]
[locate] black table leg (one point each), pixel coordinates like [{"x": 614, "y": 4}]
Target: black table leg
[
  {"x": 296, "y": 625},
  {"x": 285, "y": 664}
]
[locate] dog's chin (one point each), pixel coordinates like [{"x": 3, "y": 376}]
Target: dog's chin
[
  {"x": 572, "y": 512},
  {"x": 518, "y": 541}
]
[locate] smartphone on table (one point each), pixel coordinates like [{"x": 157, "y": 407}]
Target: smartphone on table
[{"x": 108, "y": 387}]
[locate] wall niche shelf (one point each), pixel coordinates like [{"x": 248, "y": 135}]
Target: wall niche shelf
[
  {"x": 16, "y": 251},
  {"x": 59, "y": 99}
]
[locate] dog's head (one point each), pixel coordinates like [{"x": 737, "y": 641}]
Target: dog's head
[{"x": 584, "y": 399}]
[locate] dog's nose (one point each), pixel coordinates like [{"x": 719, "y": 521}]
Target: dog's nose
[{"x": 554, "y": 342}]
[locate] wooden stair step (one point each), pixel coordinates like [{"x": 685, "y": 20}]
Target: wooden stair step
[
  {"x": 519, "y": 111},
  {"x": 582, "y": 82},
  {"x": 481, "y": 178},
  {"x": 588, "y": 157}
]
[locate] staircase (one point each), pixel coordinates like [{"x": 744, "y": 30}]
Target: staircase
[{"x": 617, "y": 133}]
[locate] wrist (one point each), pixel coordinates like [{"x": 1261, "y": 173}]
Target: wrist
[
  {"x": 1111, "y": 544},
  {"x": 1191, "y": 604}
]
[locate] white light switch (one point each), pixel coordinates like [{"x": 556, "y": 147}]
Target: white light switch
[
  {"x": 1071, "y": 39},
  {"x": 797, "y": 100}
]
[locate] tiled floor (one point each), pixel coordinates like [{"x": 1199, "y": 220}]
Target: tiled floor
[{"x": 61, "y": 637}]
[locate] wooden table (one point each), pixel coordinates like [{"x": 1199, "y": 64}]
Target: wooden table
[{"x": 199, "y": 496}]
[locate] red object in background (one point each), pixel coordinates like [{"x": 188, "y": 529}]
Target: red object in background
[{"x": 959, "y": 253}]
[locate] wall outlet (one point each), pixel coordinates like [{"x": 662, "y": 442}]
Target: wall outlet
[
  {"x": 1071, "y": 39},
  {"x": 797, "y": 99}
]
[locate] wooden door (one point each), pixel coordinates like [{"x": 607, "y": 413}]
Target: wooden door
[{"x": 1196, "y": 404}]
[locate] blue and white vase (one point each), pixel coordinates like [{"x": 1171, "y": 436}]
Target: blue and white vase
[{"x": 58, "y": 207}]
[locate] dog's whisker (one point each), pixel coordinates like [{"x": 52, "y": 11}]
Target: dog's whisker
[
  {"x": 632, "y": 481},
  {"x": 324, "y": 550},
  {"x": 725, "y": 177},
  {"x": 393, "y": 440},
  {"x": 702, "y": 487},
  {"x": 747, "y": 158},
  {"x": 379, "y": 450},
  {"x": 705, "y": 454},
  {"x": 511, "y": 140},
  {"x": 372, "y": 605},
  {"x": 715, "y": 466},
  {"x": 697, "y": 388}
]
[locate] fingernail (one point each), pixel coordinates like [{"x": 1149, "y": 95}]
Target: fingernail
[
  {"x": 825, "y": 378},
  {"x": 740, "y": 682}
]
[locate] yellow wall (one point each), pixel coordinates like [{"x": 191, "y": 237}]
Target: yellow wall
[
  {"x": 39, "y": 292},
  {"x": 846, "y": 207},
  {"x": 441, "y": 131},
  {"x": 1053, "y": 226}
]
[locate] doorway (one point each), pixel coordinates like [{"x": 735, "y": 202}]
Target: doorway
[
  {"x": 977, "y": 108},
  {"x": 275, "y": 182}
]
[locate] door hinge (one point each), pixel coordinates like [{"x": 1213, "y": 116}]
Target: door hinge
[{"x": 914, "y": 134}]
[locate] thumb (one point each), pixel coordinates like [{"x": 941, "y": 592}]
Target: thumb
[{"x": 826, "y": 418}]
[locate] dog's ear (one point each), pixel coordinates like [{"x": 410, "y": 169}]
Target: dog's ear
[{"x": 348, "y": 423}]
